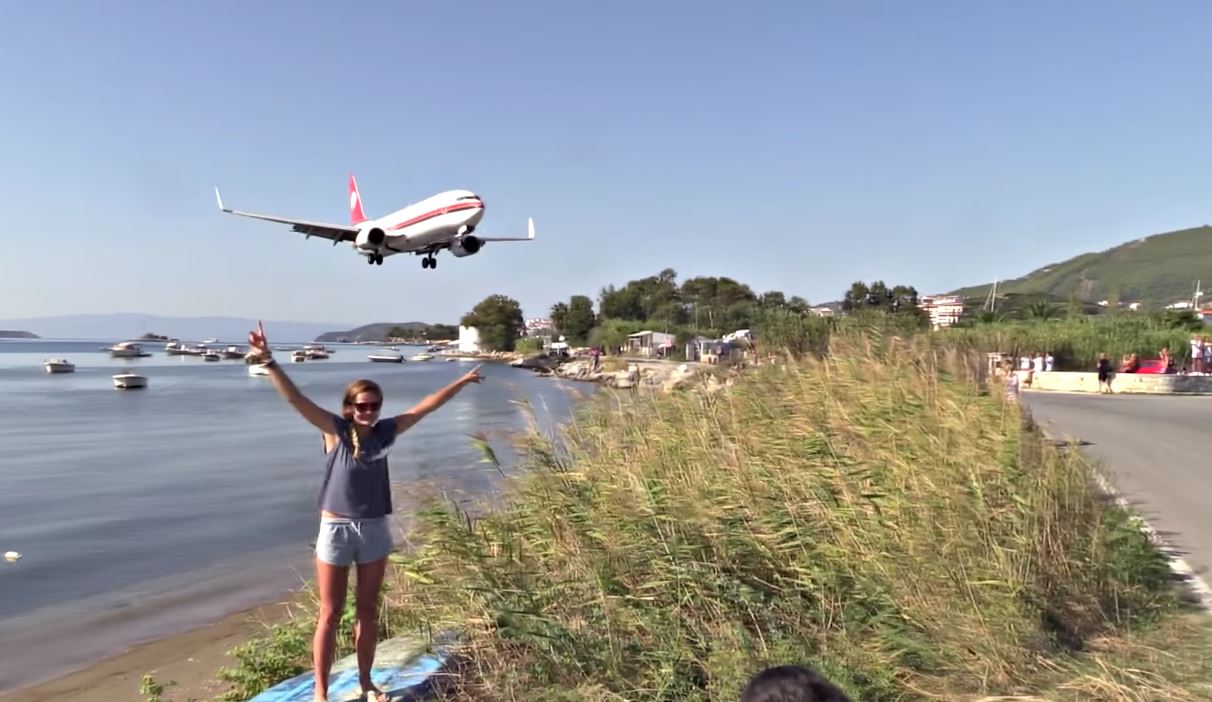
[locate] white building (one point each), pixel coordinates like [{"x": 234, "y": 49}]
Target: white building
[
  {"x": 650, "y": 343},
  {"x": 944, "y": 310},
  {"x": 539, "y": 327},
  {"x": 469, "y": 340}
]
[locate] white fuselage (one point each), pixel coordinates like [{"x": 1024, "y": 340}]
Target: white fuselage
[{"x": 434, "y": 220}]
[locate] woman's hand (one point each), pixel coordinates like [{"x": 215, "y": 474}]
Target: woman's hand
[
  {"x": 472, "y": 376},
  {"x": 258, "y": 342}
]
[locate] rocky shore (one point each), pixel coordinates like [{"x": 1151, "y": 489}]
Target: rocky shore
[{"x": 664, "y": 375}]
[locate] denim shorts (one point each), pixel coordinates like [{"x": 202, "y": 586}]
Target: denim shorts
[{"x": 344, "y": 541}]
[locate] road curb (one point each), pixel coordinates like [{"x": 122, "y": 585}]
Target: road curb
[{"x": 1199, "y": 588}]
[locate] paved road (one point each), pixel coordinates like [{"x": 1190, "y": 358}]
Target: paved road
[{"x": 1157, "y": 450}]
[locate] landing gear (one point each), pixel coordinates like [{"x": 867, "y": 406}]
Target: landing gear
[
  {"x": 374, "y": 259},
  {"x": 429, "y": 262}
]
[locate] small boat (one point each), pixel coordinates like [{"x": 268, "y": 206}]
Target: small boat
[
  {"x": 257, "y": 369},
  {"x": 211, "y": 340},
  {"x": 232, "y": 352},
  {"x": 129, "y": 381},
  {"x": 211, "y": 356},
  {"x": 421, "y": 357},
  {"x": 298, "y": 356},
  {"x": 386, "y": 357},
  {"x": 58, "y": 365},
  {"x": 127, "y": 349}
]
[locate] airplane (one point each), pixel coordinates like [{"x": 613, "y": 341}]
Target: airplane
[{"x": 444, "y": 221}]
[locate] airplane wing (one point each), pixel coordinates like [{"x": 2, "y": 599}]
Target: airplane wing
[
  {"x": 529, "y": 236},
  {"x": 333, "y": 232}
]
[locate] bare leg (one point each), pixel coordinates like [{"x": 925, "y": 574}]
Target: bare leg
[
  {"x": 366, "y": 626},
  {"x": 332, "y": 581}
]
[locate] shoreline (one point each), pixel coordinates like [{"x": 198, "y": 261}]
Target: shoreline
[
  {"x": 189, "y": 658},
  {"x": 88, "y": 636}
]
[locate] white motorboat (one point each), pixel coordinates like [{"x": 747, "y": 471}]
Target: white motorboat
[
  {"x": 129, "y": 381},
  {"x": 298, "y": 356},
  {"x": 232, "y": 352},
  {"x": 421, "y": 357},
  {"x": 257, "y": 369},
  {"x": 58, "y": 365},
  {"x": 211, "y": 340},
  {"x": 211, "y": 356},
  {"x": 384, "y": 357},
  {"x": 127, "y": 349}
]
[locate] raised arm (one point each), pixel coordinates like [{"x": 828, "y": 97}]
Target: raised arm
[
  {"x": 436, "y": 400},
  {"x": 312, "y": 412}
]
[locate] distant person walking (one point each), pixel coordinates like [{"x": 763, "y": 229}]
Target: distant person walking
[
  {"x": 354, "y": 501},
  {"x": 1104, "y": 374},
  {"x": 1012, "y": 383}
]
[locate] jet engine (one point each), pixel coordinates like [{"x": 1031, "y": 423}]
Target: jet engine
[
  {"x": 370, "y": 239},
  {"x": 465, "y": 246}
]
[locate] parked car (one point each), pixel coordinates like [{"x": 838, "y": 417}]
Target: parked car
[{"x": 1153, "y": 366}]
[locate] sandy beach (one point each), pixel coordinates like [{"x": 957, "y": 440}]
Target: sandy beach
[{"x": 191, "y": 659}]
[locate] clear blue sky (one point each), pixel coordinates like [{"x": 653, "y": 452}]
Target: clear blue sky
[{"x": 795, "y": 146}]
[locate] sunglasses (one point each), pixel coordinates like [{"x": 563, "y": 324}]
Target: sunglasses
[{"x": 367, "y": 406}]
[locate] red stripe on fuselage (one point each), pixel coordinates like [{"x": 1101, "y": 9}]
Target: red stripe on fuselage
[{"x": 438, "y": 213}]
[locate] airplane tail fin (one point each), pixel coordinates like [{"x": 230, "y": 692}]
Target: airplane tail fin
[{"x": 356, "y": 216}]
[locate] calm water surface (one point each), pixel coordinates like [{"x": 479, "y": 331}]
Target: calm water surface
[{"x": 143, "y": 512}]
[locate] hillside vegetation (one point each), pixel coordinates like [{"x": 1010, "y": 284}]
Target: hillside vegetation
[
  {"x": 1159, "y": 269},
  {"x": 876, "y": 514},
  {"x": 384, "y": 330}
]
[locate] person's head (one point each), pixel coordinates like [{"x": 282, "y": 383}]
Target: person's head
[
  {"x": 791, "y": 683},
  {"x": 362, "y": 402},
  {"x": 1102, "y": 356}
]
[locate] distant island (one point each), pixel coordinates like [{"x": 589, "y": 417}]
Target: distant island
[
  {"x": 383, "y": 331},
  {"x": 153, "y": 337},
  {"x": 17, "y": 335}
]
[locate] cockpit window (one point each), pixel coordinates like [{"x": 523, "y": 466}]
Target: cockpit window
[{"x": 470, "y": 197}]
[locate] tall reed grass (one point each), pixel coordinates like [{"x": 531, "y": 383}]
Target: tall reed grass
[{"x": 876, "y": 513}]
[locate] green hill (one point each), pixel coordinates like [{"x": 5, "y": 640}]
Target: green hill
[
  {"x": 376, "y": 332},
  {"x": 1157, "y": 270}
]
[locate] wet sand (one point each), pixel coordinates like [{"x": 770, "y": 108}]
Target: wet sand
[{"x": 191, "y": 659}]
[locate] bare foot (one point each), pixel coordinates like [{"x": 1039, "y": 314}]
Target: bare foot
[{"x": 370, "y": 693}]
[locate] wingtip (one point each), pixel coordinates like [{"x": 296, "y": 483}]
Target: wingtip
[
  {"x": 530, "y": 225},
  {"x": 219, "y": 199}
]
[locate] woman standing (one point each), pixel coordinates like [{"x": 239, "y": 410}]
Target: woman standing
[{"x": 354, "y": 501}]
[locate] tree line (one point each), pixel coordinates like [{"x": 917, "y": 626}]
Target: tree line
[{"x": 709, "y": 306}]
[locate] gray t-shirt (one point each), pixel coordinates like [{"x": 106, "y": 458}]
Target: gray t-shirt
[{"x": 358, "y": 488}]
